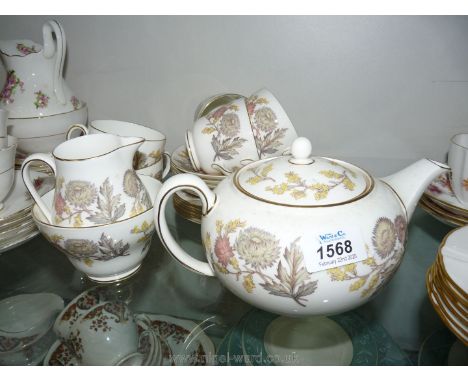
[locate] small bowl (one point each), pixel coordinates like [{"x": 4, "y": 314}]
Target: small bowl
[
  {"x": 108, "y": 252},
  {"x": 42, "y": 134}
]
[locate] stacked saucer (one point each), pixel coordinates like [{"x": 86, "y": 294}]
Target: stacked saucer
[
  {"x": 440, "y": 201},
  {"x": 186, "y": 204},
  {"x": 16, "y": 223},
  {"x": 447, "y": 284}
]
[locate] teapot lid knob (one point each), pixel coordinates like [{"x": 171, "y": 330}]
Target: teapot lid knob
[{"x": 301, "y": 150}]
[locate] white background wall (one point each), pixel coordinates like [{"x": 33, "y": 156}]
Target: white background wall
[{"x": 369, "y": 87}]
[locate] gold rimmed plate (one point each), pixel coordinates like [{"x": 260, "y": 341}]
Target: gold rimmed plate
[
  {"x": 440, "y": 192},
  {"x": 440, "y": 214}
]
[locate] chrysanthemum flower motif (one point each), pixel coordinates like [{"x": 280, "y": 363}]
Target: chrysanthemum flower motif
[
  {"x": 80, "y": 193},
  {"x": 230, "y": 125},
  {"x": 80, "y": 247},
  {"x": 384, "y": 237},
  {"x": 400, "y": 226},
  {"x": 265, "y": 119},
  {"x": 223, "y": 250},
  {"x": 257, "y": 247},
  {"x": 131, "y": 184}
]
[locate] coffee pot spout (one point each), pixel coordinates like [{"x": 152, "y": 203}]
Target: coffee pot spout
[{"x": 410, "y": 183}]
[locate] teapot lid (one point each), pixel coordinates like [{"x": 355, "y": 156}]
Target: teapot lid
[
  {"x": 301, "y": 180},
  {"x": 19, "y": 48}
]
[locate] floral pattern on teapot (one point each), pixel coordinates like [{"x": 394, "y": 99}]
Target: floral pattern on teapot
[
  {"x": 298, "y": 188},
  {"x": 224, "y": 124},
  {"x": 76, "y": 198},
  {"x": 268, "y": 135},
  {"x": 12, "y": 84},
  {"x": 388, "y": 240},
  {"x": 255, "y": 251},
  {"x": 105, "y": 249}
]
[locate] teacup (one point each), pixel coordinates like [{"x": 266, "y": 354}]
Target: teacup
[
  {"x": 3, "y": 128},
  {"x": 271, "y": 127},
  {"x": 82, "y": 303},
  {"x": 222, "y": 140},
  {"x": 149, "y": 155},
  {"x": 156, "y": 171},
  {"x": 458, "y": 162},
  {"x": 7, "y": 171},
  {"x": 107, "y": 334}
]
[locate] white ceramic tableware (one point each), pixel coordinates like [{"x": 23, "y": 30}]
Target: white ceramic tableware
[
  {"x": 213, "y": 102},
  {"x": 454, "y": 250},
  {"x": 272, "y": 129},
  {"x": 156, "y": 170},
  {"x": 107, "y": 252},
  {"x": 149, "y": 155},
  {"x": 24, "y": 321},
  {"x": 81, "y": 304},
  {"x": 301, "y": 235},
  {"x": 7, "y": 171},
  {"x": 35, "y": 85},
  {"x": 222, "y": 140},
  {"x": 107, "y": 335},
  {"x": 3, "y": 128},
  {"x": 7, "y": 179},
  {"x": 95, "y": 181},
  {"x": 42, "y": 134},
  {"x": 458, "y": 162}
]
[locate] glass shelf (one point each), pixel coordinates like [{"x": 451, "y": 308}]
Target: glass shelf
[{"x": 162, "y": 286}]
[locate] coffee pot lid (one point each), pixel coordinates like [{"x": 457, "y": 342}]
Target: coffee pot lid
[{"x": 302, "y": 180}]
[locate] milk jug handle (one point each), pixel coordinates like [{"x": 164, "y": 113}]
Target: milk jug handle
[
  {"x": 29, "y": 184},
  {"x": 57, "y": 48}
]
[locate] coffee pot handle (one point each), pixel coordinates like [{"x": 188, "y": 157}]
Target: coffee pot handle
[
  {"x": 47, "y": 159},
  {"x": 59, "y": 49},
  {"x": 77, "y": 126},
  {"x": 208, "y": 198}
]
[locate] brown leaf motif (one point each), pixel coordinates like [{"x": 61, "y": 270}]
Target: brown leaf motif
[{"x": 254, "y": 255}]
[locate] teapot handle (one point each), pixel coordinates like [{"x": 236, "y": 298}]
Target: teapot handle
[
  {"x": 59, "y": 49},
  {"x": 77, "y": 126},
  {"x": 49, "y": 160},
  {"x": 178, "y": 183}
]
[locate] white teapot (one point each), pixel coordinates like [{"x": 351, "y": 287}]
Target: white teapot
[{"x": 300, "y": 235}]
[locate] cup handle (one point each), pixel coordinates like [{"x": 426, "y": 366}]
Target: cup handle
[
  {"x": 59, "y": 47},
  {"x": 208, "y": 198},
  {"x": 167, "y": 164},
  {"x": 30, "y": 186},
  {"x": 77, "y": 126}
]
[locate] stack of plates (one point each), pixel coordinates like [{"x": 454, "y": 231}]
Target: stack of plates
[
  {"x": 447, "y": 283},
  {"x": 186, "y": 204},
  {"x": 262, "y": 338},
  {"x": 440, "y": 201},
  {"x": 16, "y": 223}
]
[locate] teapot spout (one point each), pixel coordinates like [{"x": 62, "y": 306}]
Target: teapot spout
[{"x": 411, "y": 182}]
